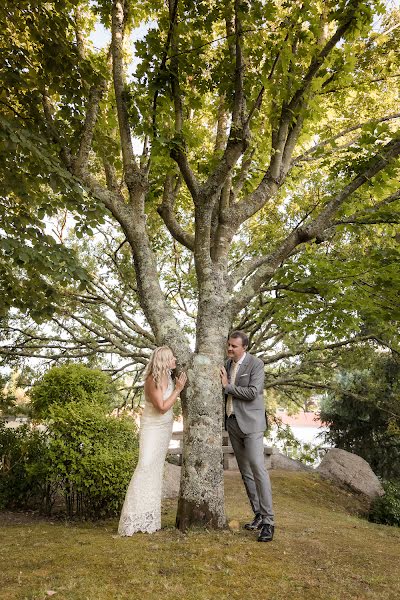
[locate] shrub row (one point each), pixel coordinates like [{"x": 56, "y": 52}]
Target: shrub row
[{"x": 85, "y": 458}]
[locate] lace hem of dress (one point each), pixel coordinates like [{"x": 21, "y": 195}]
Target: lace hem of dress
[{"x": 148, "y": 522}]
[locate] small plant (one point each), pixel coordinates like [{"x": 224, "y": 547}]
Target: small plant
[{"x": 386, "y": 509}]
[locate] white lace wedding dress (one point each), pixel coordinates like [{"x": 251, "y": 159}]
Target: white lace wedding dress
[{"x": 142, "y": 507}]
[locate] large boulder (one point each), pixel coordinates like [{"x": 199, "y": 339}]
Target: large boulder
[
  {"x": 281, "y": 461},
  {"x": 352, "y": 471},
  {"x": 171, "y": 481}
]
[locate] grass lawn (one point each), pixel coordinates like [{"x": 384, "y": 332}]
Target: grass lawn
[{"x": 322, "y": 550}]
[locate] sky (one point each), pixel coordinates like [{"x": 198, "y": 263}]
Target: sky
[{"x": 101, "y": 37}]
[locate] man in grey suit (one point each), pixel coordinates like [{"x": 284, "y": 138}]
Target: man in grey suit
[{"x": 243, "y": 383}]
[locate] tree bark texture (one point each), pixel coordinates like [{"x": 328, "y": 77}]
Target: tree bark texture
[{"x": 201, "y": 499}]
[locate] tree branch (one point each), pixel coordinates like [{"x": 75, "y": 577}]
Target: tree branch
[
  {"x": 342, "y": 133},
  {"x": 117, "y": 31},
  {"x": 173, "y": 13},
  {"x": 95, "y": 96},
  {"x": 315, "y": 228},
  {"x": 65, "y": 153},
  {"x": 166, "y": 211},
  {"x": 357, "y": 217},
  {"x": 302, "y": 351}
]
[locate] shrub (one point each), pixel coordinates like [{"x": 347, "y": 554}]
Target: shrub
[
  {"x": 85, "y": 456},
  {"x": 92, "y": 456},
  {"x": 71, "y": 383},
  {"x": 386, "y": 509},
  {"x": 24, "y": 469}
]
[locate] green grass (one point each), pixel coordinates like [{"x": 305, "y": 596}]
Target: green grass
[{"x": 322, "y": 550}]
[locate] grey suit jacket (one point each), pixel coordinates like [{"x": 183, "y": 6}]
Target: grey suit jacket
[{"x": 248, "y": 394}]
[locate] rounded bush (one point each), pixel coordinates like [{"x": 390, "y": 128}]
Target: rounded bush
[
  {"x": 71, "y": 383},
  {"x": 84, "y": 458}
]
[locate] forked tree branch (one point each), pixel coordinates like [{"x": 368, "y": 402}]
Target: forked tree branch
[
  {"x": 310, "y": 231},
  {"x": 285, "y": 136}
]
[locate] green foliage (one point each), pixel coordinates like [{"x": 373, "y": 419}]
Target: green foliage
[
  {"x": 72, "y": 383},
  {"x": 85, "y": 456},
  {"x": 85, "y": 459},
  {"x": 363, "y": 416},
  {"x": 386, "y": 509},
  {"x": 35, "y": 184},
  {"x": 92, "y": 457},
  {"x": 25, "y": 467}
]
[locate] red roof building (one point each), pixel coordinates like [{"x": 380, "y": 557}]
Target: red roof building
[{"x": 301, "y": 419}]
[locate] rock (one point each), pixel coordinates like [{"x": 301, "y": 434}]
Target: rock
[
  {"x": 281, "y": 461},
  {"x": 171, "y": 481},
  {"x": 352, "y": 471}
]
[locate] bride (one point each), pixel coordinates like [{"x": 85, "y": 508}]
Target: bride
[{"x": 142, "y": 507}]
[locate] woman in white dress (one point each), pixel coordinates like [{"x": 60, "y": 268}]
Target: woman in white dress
[{"x": 142, "y": 507}]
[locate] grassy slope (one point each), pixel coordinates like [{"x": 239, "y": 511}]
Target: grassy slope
[{"x": 322, "y": 550}]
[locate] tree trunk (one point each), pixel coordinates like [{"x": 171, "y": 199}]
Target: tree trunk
[{"x": 201, "y": 499}]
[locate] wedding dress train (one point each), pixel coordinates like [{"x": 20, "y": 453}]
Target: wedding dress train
[{"x": 142, "y": 507}]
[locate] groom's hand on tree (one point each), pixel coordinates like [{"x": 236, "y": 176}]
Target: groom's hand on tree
[{"x": 224, "y": 377}]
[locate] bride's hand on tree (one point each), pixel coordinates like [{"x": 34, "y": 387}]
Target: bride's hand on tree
[{"x": 180, "y": 382}]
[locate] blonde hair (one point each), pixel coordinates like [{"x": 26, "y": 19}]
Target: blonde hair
[{"x": 158, "y": 364}]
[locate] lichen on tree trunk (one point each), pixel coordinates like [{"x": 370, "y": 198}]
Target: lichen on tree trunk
[{"x": 201, "y": 500}]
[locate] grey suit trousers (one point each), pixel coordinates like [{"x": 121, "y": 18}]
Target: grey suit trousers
[{"x": 249, "y": 453}]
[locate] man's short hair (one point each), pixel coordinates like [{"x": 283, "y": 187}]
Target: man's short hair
[{"x": 241, "y": 335}]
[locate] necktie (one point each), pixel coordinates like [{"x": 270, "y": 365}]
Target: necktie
[{"x": 229, "y": 400}]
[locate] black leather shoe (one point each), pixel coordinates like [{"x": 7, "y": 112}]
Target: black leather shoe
[
  {"x": 255, "y": 524},
  {"x": 266, "y": 533}
]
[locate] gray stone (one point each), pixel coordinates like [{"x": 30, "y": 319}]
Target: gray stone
[
  {"x": 281, "y": 461},
  {"x": 352, "y": 471},
  {"x": 171, "y": 481}
]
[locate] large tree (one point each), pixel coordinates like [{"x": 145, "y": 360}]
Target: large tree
[{"x": 269, "y": 142}]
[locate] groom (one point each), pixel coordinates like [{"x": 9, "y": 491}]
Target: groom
[{"x": 243, "y": 383}]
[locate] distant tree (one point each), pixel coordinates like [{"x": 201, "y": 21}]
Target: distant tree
[
  {"x": 14, "y": 397},
  {"x": 364, "y": 417}
]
